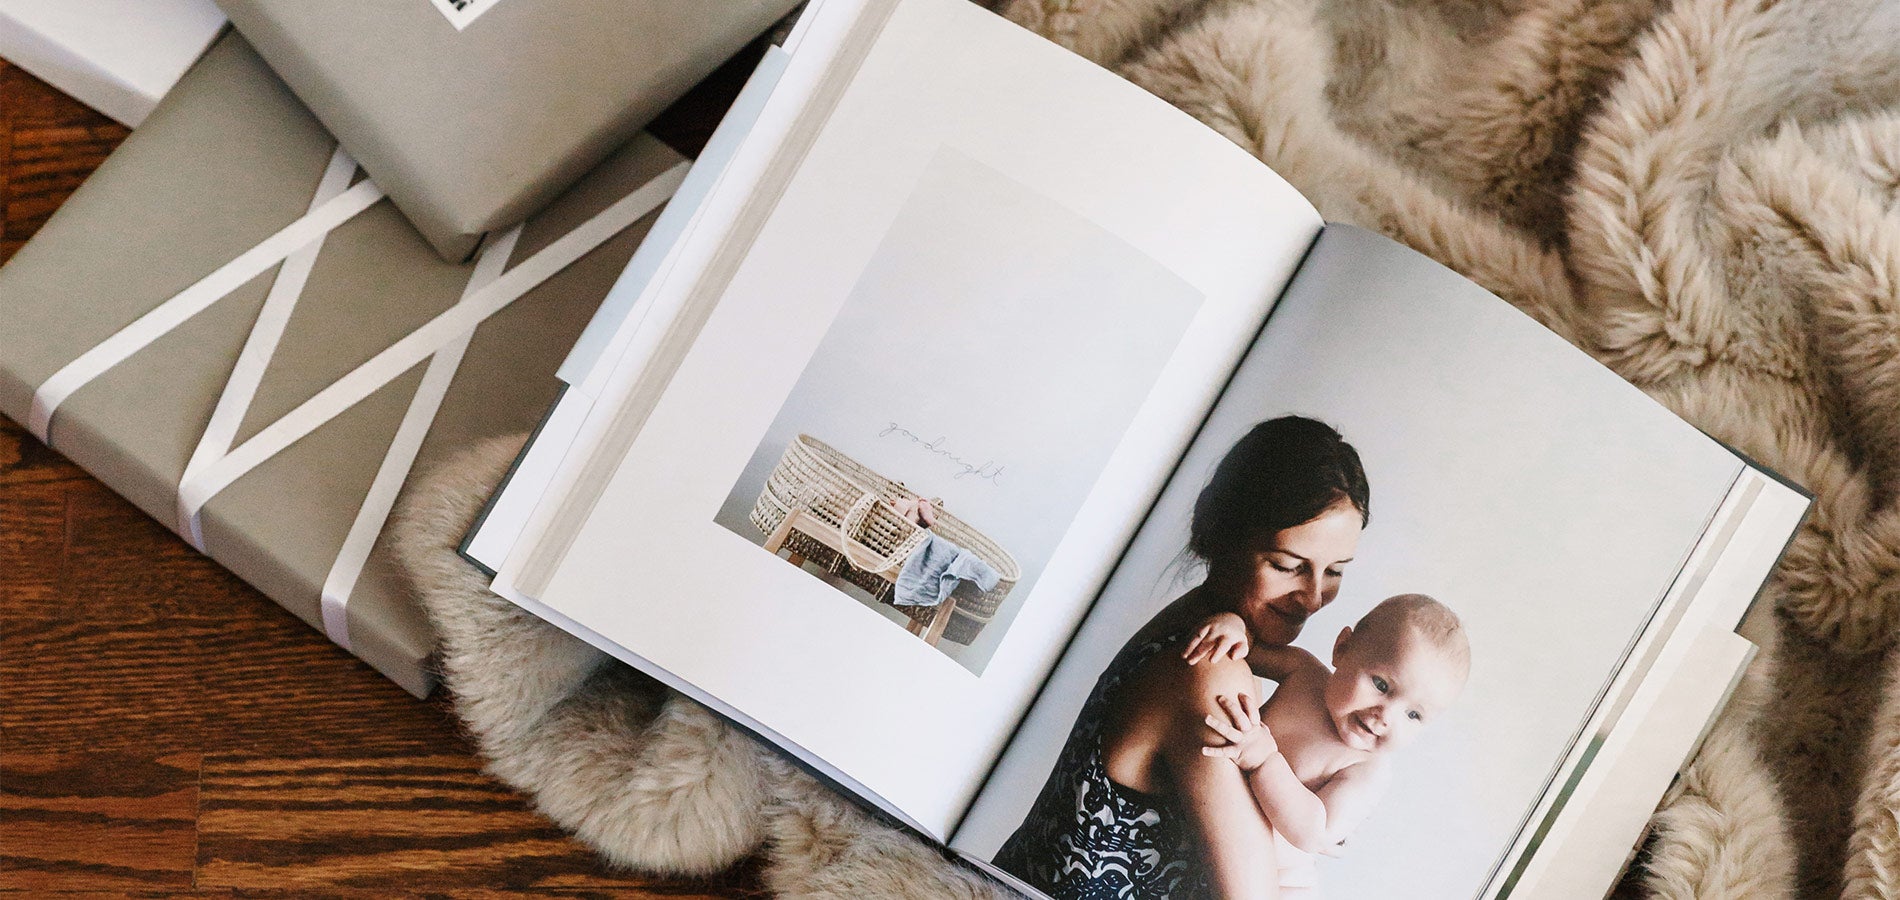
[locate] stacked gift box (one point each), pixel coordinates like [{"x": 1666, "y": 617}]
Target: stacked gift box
[{"x": 349, "y": 241}]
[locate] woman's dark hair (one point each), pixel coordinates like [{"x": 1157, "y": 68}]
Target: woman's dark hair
[{"x": 1284, "y": 472}]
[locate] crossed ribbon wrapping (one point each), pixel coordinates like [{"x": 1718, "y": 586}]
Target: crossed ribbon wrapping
[{"x": 215, "y": 464}]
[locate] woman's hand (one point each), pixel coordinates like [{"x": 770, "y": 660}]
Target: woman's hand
[
  {"x": 1222, "y": 637},
  {"x": 1249, "y": 742}
]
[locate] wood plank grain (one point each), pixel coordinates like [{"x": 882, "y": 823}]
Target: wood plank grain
[
  {"x": 171, "y": 685},
  {"x": 78, "y": 686},
  {"x": 629, "y": 891},
  {"x": 275, "y": 822},
  {"x": 129, "y": 894},
  {"x": 54, "y": 143},
  {"x": 24, "y": 459},
  {"x": 125, "y": 567},
  {"x": 138, "y": 642},
  {"x": 8, "y": 72},
  {"x": 127, "y": 659},
  {"x": 96, "y": 821},
  {"x": 274, "y": 685},
  {"x": 32, "y": 545}
]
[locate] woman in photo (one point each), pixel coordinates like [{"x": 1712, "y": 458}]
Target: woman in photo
[{"x": 1134, "y": 808}]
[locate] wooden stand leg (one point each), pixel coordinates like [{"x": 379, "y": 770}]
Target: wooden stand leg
[
  {"x": 776, "y": 539},
  {"x": 940, "y": 621}
]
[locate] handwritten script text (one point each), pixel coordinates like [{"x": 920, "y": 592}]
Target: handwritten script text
[{"x": 988, "y": 470}]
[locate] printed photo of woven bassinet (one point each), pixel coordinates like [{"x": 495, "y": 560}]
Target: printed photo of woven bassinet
[{"x": 827, "y": 508}]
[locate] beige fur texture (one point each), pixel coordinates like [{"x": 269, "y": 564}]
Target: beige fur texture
[
  {"x": 652, "y": 780},
  {"x": 1704, "y": 194}
]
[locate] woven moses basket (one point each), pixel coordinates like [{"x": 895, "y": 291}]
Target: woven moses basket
[{"x": 875, "y": 540}]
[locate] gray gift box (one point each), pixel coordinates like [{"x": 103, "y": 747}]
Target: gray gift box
[
  {"x": 473, "y": 129},
  {"x": 228, "y": 159}
]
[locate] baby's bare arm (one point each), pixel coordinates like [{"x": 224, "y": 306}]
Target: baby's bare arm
[
  {"x": 1316, "y": 821},
  {"x": 1225, "y": 636},
  {"x": 1222, "y": 636},
  {"x": 1280, "y": 663}
]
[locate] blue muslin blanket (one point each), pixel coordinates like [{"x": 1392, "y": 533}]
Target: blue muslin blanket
[{"x": 933, "y": 570}]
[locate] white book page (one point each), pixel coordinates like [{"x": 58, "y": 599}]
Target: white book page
[
  {"x": 1001, "y": 276},
  {"x": 589, "y": 366},
  {"x": 1549, "y": 504}
]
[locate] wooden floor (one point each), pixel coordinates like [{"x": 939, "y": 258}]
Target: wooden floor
[{"x": 167, "y": 731}]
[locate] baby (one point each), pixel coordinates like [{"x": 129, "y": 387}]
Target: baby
[{"x": 1317, "y": 755}]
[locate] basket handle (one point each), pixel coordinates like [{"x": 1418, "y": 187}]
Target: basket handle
[{"x": 853, "y": 519}]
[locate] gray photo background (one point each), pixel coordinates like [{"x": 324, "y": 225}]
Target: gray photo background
[
  {"x": 995, "y": 327},
  {"x": 1546, "y": 501}
]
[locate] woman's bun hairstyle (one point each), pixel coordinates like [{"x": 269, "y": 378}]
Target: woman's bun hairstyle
[{"x": 1284, "y": 472}]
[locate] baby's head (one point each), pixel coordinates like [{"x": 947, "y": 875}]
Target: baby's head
[{"x": 1395, "y": 672}]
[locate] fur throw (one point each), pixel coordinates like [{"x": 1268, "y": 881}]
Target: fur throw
[{"x": 1704, "y": 194}]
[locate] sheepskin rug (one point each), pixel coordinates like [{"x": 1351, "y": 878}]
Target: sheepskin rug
[{"x": 1704, "y": 194}]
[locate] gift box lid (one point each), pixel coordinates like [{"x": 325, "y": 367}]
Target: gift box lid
[
  {"x": 115, "y": 56},
  {"x": 472, "y": 129},
  {"x": 226, "y": 162}
]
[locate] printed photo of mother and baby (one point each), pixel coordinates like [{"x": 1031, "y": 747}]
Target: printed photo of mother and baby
[{"x": 1178, "y": 778}]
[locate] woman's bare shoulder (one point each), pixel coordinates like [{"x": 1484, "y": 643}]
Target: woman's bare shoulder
[{"x": 1189, "y": 691}]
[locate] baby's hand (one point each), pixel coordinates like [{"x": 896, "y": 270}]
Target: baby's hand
[
  {"x": 1249, "y": 742},
  {"x": 1223, "y": 636}
]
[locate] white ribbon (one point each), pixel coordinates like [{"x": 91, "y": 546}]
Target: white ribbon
[
  {"x": 266, "y": 331},
  {"x": 215, "y": 465},
  {"x": 192, "y": 301},
  {"x": 401, "y": 458},
  {"x": 423, "y": 342}
]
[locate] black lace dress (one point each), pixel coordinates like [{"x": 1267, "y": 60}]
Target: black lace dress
[{"x": 1088, "y": 838}]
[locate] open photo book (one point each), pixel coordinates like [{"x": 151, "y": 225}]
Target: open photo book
[{"x": 1038, "y": 467}]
